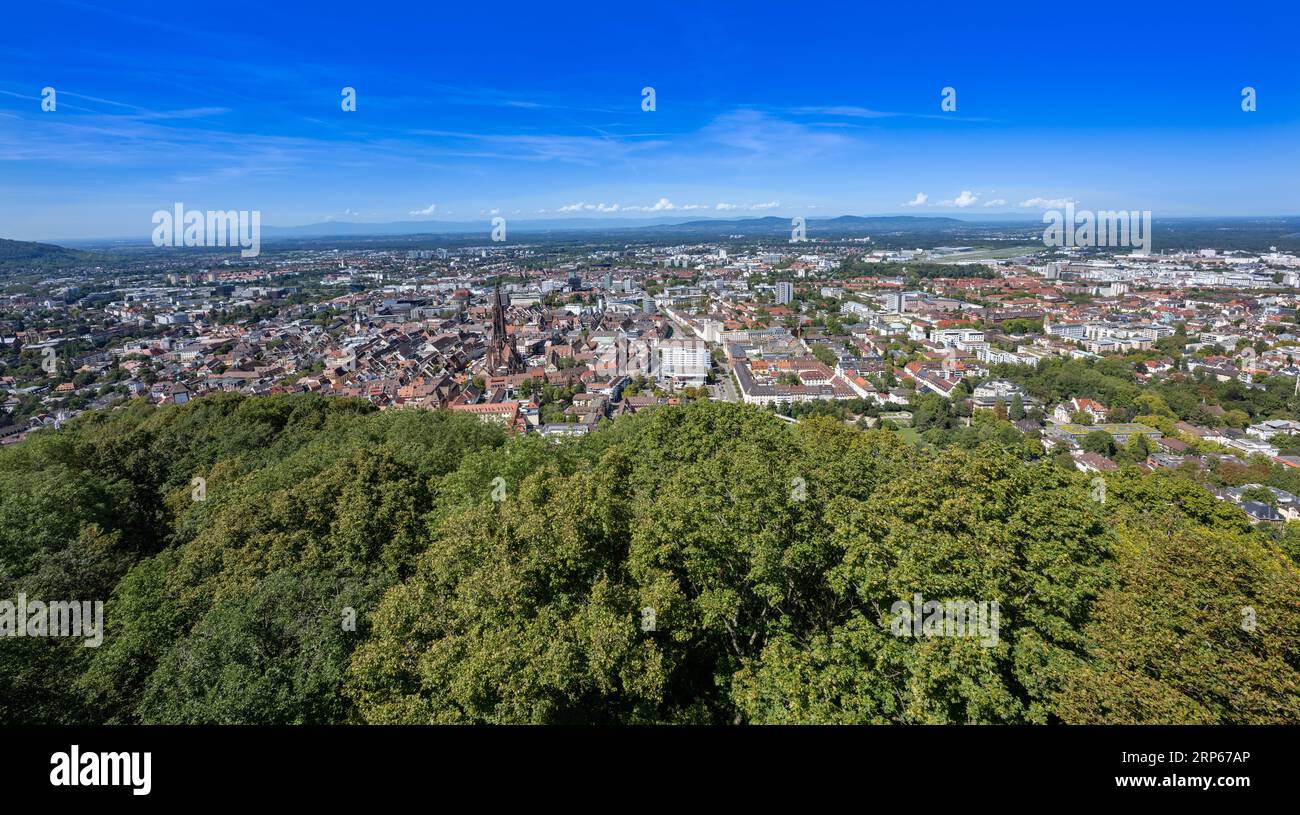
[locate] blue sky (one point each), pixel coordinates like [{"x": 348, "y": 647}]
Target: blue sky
[{"x": 534, "y": 111}]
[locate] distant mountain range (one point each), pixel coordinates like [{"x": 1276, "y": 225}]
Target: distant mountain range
[
  {"x": 924, "y": 231},
  {"x": 771, "y": 224}
]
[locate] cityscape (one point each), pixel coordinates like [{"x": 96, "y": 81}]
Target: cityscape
[
  {"x": 459, "y": 381},
  {"x": 553, "y": 340},
  {"x": 550, "y": 340}
]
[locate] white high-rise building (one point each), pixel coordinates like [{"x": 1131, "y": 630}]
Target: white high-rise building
[
  {"x": 683, "y": 362},
  {"x": 784, "y": 292}
]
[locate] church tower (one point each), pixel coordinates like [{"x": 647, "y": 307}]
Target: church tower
[{"x": 501, "y": 352}]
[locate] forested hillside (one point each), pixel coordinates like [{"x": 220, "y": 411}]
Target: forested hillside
[
  {"x": 18, "y": 255},
  {"x": 769, "y": 553}
]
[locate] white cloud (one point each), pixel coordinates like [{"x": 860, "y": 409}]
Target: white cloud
[
  {"x": 996, "y": 202},
  {"x": 426, "y": 211},
  {"x": 664, "y": 205},
  {"x": 601, "y": 207},
  {"x": 919, "y": 200},
  {"x": 723, "y": 206},
  {"x": 964, "y": 200},
  {"x": 1046, "y": 203}
]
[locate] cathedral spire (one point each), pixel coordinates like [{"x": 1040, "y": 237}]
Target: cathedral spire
[{"x": 501, "y": 352}]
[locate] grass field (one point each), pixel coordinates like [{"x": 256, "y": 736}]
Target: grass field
[{"x": 991, "y": 254}]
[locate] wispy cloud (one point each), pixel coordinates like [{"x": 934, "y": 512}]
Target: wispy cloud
[
  {"x": 1046, "y": 203},
  {"x": 586, "y": 150},
  {"x": 664, "y": 205},
  {"x": 749, "y": 136},
  {"x": 850, "y": 111}
]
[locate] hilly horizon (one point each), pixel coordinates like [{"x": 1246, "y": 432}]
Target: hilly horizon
[
  {"x": 1250, "y": 233},
  {"x": 28, "y": 253},
  {"x": 766, "y": 224}
]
